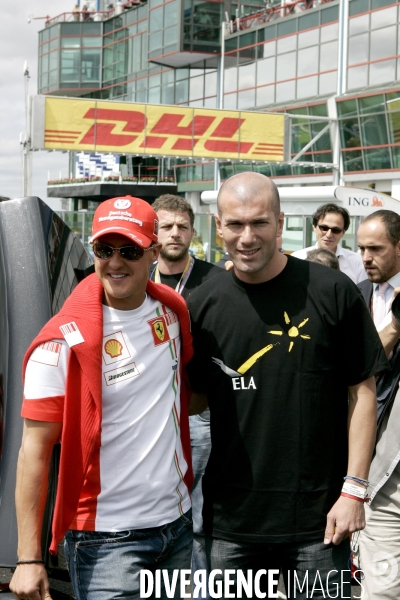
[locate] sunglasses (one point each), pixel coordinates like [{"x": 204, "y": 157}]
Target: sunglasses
[
  {"x": 325, "y": 229},
  {"x": 132, "y": 252}
]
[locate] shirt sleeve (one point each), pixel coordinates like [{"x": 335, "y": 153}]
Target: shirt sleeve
[{"x": 45, "y": 378}]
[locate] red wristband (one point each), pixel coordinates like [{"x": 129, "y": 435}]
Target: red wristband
[{"x": 354, "y": 497}]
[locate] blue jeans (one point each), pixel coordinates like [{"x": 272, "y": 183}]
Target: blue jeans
[
  {"x": 309, "y": 569},
  {"x": 200, "y": 439},
  {"x": 107, "y": 565}
]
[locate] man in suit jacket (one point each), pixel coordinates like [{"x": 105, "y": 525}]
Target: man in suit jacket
[{"x": 379, "y": 542}]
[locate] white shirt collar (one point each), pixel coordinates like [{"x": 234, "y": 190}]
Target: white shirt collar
[{"x": 393, "y": 281}]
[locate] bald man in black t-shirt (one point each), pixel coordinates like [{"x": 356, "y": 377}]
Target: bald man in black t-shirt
[{"x": 280, "y": 345}]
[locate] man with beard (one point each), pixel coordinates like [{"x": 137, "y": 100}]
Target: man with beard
[
  {"x": 379, "y": 545},
  {"x": 177, "y": 269}
]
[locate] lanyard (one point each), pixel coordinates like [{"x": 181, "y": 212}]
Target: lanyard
[{"x": 184, "y": 277}]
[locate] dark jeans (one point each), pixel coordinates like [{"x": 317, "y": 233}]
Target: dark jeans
[
  {"x": 107, "y": 565},
  {"x": 309, "y": 569}
]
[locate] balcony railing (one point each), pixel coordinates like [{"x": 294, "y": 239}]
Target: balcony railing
[
  {"x": 87, "y": 15},
  {"x": 271, "y": 13}
]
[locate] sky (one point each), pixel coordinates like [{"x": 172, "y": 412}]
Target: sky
[{"x": 19, "y": 43}]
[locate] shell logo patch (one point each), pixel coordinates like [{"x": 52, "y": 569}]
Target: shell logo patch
[
  {"x": 164, "y": 328},
  {"x": 114, "y": 348}
]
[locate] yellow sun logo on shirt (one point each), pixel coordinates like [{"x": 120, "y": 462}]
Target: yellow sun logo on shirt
[{"x": 293, "y": 331}]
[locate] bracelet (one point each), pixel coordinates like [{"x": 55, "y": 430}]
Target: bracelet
[
  {"x": 354, "y": 490},
  {"x": 357, "y": 480},
  {"x": 354, "y": 497},
  {"x": 30, "y": 562}
]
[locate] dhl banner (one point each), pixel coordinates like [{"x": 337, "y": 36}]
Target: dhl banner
[{"x": 148, "y": 129}]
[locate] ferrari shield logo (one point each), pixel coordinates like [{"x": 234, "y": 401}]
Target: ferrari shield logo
[{"x": 159, "y": 330}]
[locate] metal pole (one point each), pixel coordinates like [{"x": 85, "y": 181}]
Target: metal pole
[
  {"x": 343, "y": 44},
  {"x": 26, "y": 143},
  {"x": 220, "y": 97}
]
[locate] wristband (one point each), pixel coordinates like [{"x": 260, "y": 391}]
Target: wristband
[
  {"x": 357, "y": 480},
  {"x": 354, "y": 497},
  {"x": 30, "y": 562},
  {"x": 354, "y": 490}
]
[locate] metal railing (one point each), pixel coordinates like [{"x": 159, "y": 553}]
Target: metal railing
[
  {"x": 88, "y": 15},
  {"x": 270, "y": 13}
]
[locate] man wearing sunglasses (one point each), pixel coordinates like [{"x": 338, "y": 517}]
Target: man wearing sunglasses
[
  {"x": 105, "y": 376},
  {"x": 330, "y": 223}
]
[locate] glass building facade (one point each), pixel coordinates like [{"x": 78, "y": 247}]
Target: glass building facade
[{"x": 275, "y": 59}]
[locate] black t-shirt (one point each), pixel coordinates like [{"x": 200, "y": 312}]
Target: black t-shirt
[
  {"x": 202, "y": 271},
  {"x": 275, "y": 360}
]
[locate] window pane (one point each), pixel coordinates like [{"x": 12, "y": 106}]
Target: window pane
[
  {"x": 286, "y": 27},
  {"x": 69, "y": 58},
  {"x": 329, "y": 14},
  {"x": 379, "y": 158},
  {"x": 182, "y": 91},
  {"x": 196, "y": 88},
  {"x": 155, "y": 41},
  {"x": 358, "y": 49},
  {"x": 383, "y": 43},
  {"x": 382, "y": 72},
  {"x": 167, "y": 94},
  {"x": 357, "y": 77},
  {"x": 285, "y": 91},
  {"x": 156, "y": 18},
  {"x": 269, "y": 49},
  {"x": 353, "y": 161},
  {"x": 309, "y": 20},
  {"x": 91, "y": 41},
  {"x": 53, "y": 61},
  {"x": 307, "y": 61},
  {"x": 328, "y": 56},
  {"x": 373, "y": 130},
  {"x": 380, "y": 18},
  {"x": 210, "y": 102},
  {"x": 266, "y": 71},
  {"x": 286, "y": 44},
  {"x": 171, "y": 14},
  {"x": 286, "y": 66},
  {"x": 327, "y": 83},
  {"x": 348, "y": 107},
  {"x": 329, "y": 33},
  {"x": 358, "y": 6},
  {"x": 396, "y": 157},
  {"x": 359, "y": 24},
  {"x": 230, "y": 80},
  {"x": 247, "y": 76},
  {"x": 394, "y": 127},
  {"x": 265, "y": 95},
  {"x": 210, "y": 84},
  {"x": 372, "y": 104},
  {"x": 230, "y": 101},
  {"x": 307, "y": 86},
  {"x": 300, "y": 136},
  {"x": 71, "y": 42},
  {"x": 246, "y": 99},
  {"x": 350, "y": 133},
  {"x": 53, "y": 44},
  {"x": 308, "y": 38}
]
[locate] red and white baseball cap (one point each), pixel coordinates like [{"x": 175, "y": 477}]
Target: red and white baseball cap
[{"x": 131, "y": 217}]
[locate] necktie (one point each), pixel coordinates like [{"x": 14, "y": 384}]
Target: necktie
[{"x": 380, "y": 304}]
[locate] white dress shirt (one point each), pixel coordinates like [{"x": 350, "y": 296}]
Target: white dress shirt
[
  {"x": 393, "y": 282},
  {"x": 350, "y": 262}
]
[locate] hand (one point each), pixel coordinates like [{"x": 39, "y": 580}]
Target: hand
[
  {"x": 30, "y": 582},
  {"x": 229, "y": 266},
  {"x": 345, "y": 517}
]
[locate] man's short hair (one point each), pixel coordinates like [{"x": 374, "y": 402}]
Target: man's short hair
[
  {"x": 174, "y": 204},
  {"x": 323, "y": 256},
  {"x": 331, "y": 207},
  {"x": 254, "y": 185},
  {"x": 391, "y": 220}
]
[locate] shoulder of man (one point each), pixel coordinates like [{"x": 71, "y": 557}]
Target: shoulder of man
[
  {"x": 206, "y": 269},
  {"x": 303, "y": 252}
]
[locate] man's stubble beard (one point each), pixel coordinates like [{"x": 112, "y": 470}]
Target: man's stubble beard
[{"x": 173, "y": 256}]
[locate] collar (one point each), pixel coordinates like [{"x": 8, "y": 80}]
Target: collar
[
  {"x": 393, "y": 281},
  {"x": 339, "y": 250}
]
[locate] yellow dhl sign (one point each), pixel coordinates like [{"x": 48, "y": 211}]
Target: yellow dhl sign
[{"x": 90, "y": 125}]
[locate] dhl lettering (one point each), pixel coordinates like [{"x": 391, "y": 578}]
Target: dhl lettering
[
  {"x": 102, "y": 134},
  {"x": 224, "y": 146},
  {"x": 152, "y": 141},
  {"x": 227, "y": 128},
  {"x": 170, "y": 124},
  {"x": 185, "y": 144}
]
